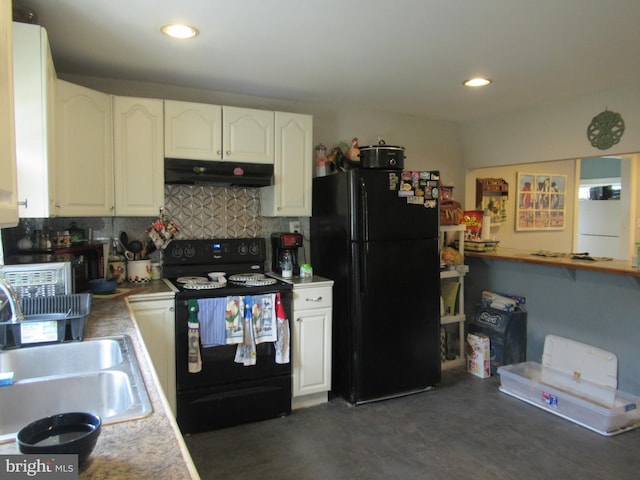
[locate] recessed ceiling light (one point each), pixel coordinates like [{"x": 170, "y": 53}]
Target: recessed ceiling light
[
  {"x": 476, "y": 82},
  {"x": 179, "y": 31}
]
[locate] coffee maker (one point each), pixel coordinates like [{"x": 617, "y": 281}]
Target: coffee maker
[{"x": 281, "y": 244}]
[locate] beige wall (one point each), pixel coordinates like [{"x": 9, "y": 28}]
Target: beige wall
[
  {"x": 559, "y": 240},
  {"x": 552, "y": 131},
  {"x": 529, "y": 138}
]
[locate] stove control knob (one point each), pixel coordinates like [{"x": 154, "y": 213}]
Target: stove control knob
[
  {"x": 254, "y": 248},
  {"x": 190, "y": 251},
  {"x": 176, "y": 252},
  {"x": 243, "y": 249}
]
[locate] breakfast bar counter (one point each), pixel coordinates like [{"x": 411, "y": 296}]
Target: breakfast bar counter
[
  {"x": 562, "y": 260},
  {"x": 148, "y": 448}
]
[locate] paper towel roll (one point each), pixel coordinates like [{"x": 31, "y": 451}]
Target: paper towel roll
[{"x": 486, "y": 227}]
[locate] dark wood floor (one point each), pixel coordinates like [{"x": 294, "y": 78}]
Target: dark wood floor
[{"x": 464, "y": 429}]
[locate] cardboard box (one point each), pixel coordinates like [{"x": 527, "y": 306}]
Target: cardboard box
[{"x": 478, "y": 355}]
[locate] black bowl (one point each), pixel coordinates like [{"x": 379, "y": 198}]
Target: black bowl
[
  {"x": 75, "y": 432},
  {"x": 102, "y": 286}
]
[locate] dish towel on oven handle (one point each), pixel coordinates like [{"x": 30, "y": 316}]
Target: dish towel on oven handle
[
  {"x": 212, "y": 315},
  {"x": 282, "y": 343},
  {"x": 193, "y": 337},
  {"x": 246, "y": 351},
  {"x": 234, "y": 320},
  {"x": 263, "y": 313}
]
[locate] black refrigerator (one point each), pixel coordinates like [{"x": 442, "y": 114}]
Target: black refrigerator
[{"x": 376, "y": 235}]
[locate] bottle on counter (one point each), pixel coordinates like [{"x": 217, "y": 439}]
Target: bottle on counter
[{"x": 287, "y": 265}]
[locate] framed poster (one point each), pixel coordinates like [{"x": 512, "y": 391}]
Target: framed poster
[{"x": 540, "y": 203}]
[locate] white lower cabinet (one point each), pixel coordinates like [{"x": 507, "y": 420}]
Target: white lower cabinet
[
  {"x": 311, "y": 343},
  {"x": 156, "y": 321}
]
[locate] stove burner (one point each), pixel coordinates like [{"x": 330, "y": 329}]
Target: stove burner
[
  {"x": 260, "y": 283},
  {"x": 243, "y": 278},
  {"x": 203, "y": 285},
  {"x": 192, "y": 280}
]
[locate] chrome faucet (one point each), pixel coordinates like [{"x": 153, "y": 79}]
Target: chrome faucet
[{"x": 14, "y": 301}]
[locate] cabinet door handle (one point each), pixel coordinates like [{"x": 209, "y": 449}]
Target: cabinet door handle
[
  {"x": 228, "y": 152},
  {"x": 314, "y": 299},
  {"x": 24, "y": 204},
  {"x": 298, "y": 319}
]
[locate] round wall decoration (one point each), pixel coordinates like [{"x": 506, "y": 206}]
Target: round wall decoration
[{"x": 605, "y": 130}]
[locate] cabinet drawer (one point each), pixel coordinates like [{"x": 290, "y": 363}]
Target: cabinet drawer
[{"x": 315, "y": 297}]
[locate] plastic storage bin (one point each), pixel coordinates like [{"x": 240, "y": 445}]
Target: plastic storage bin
[
  {"x": 523, "y": 381},
  {"x": 577, "y": 382}
]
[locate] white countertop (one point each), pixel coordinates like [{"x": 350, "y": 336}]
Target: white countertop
[{"x": 298, "y": 281}]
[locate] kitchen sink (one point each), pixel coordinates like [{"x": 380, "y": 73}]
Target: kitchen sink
[
  {"x": 62, "y": 358},
  {"x": 100, "y": 376}
]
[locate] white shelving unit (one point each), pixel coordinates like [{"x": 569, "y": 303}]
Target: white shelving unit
[{"x": 456, "y": 273}]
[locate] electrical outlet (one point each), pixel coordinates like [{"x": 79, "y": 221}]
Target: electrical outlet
[{"x": 295, "y": 227}]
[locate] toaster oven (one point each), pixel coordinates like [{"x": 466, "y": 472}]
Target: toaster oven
[
  {"x": 39, "y": 279},
  {"x": 87, "y": 262}
]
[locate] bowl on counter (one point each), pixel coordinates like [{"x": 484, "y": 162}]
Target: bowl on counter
[
  {"x": 64, "y": 433},
  {"x": 103, "y": 286}
]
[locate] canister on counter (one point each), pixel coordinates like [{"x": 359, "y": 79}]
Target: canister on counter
[
  {"x": 156, "y": 271},
  {"x": 118, "y": 268},
  {"x": 306, "y": 271}
]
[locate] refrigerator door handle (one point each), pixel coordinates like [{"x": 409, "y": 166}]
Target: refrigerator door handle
[
  {"x": 364, "y": 273},
  {"x": 365, "y": 210}
]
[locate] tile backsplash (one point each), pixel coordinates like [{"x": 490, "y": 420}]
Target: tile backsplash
[
  {"x": 200, "y": 211},
  {"x": 206, "y": 211}
]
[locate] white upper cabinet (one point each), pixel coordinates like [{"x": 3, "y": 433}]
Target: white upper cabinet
[
  {"x": 247, "y": 135},
  {"x": 84, "y": 146},
  {"x": 192, "y": 130},
  {"x": 290, "y": 194},
  {"x": 110, "y": 154},
  {"x": 34, "y": 99},
  {"x": 8, "y": 181},
  {"x": 138, "y": 156},
  {"x": 198, "y": 131}
]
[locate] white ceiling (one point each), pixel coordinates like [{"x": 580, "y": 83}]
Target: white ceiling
[{"x": 407, "y": 56}]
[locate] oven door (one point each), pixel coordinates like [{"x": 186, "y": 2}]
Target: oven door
[
  {"x": 225, "y": 393},
  {"x": 218, "y": 365}
]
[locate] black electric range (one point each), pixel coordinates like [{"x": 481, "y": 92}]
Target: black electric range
[{"x": 225, "y": 393}]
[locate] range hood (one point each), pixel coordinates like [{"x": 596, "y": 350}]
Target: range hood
[{"x": 199, "y": 172}]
